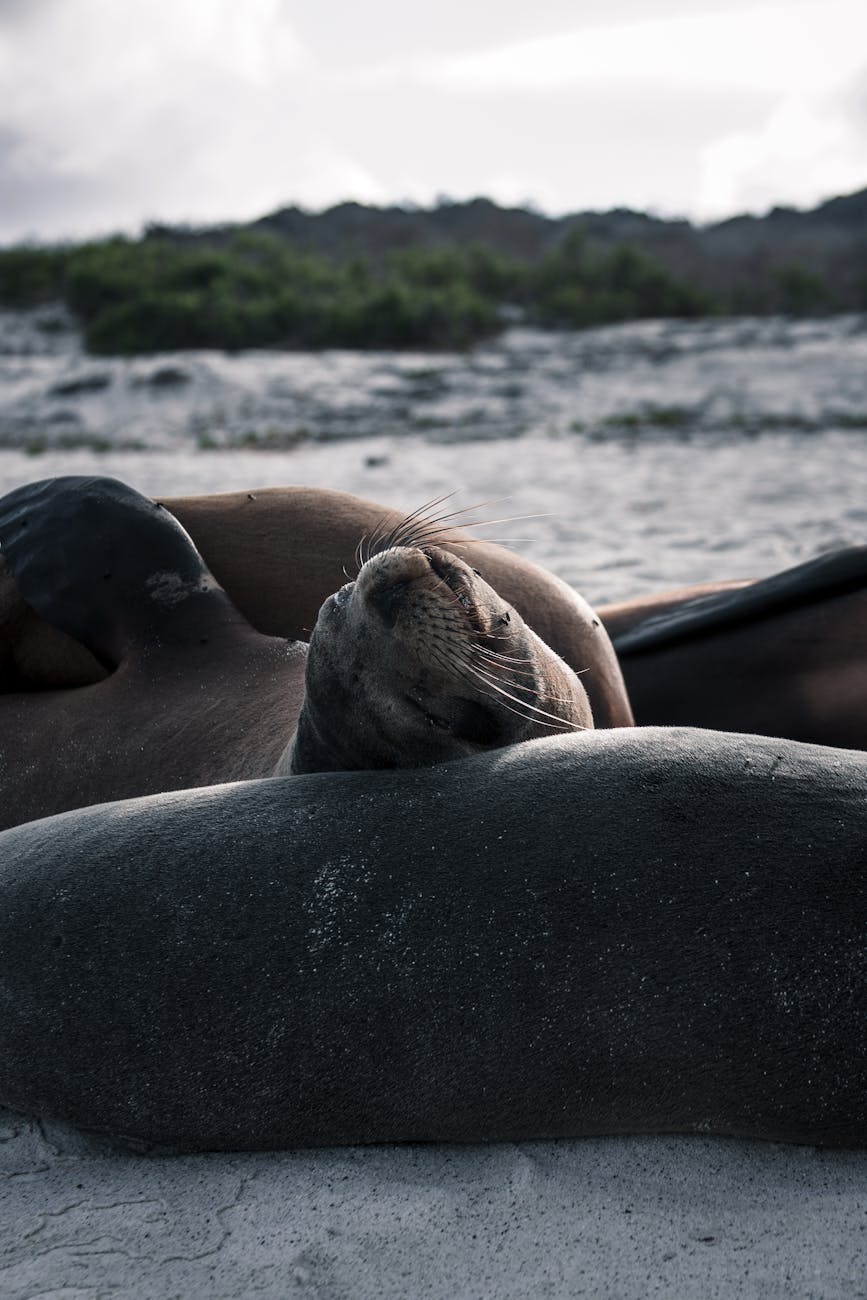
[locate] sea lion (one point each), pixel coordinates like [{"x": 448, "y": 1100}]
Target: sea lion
[
  {"x": 623, "y": 931},
  {"x": 279, "y": 552},
  {"x": 192, "y": 694},
  {"x": 786, "y": 655},
  {"x": 421, "y": 661},
  {"x": 189, "y": 692},
  {"x": 793, "y": 671}
]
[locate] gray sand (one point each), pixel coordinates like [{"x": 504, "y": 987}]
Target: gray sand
[{"x": 635, "y": 1217}]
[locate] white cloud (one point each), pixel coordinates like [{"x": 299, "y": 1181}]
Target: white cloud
[
  {"x": 90, "y": 76},
  {"x": 186, "y": 109},
  {"x": 807, "y": 148},
  {"x": 769, "y": 48},
  {"x": 205, "y": 110}
]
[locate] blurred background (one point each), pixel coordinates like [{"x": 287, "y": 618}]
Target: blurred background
[{"x": 614, "y": 268}]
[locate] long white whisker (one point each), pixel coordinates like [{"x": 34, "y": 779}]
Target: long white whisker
[
  {"x": 517, "y": 672},
  {"x": 564, "y": 722},
  {"x": 500, "y": 657},
  {"x": 420, "y": 515},
  {"x": 560, "y": 724}
]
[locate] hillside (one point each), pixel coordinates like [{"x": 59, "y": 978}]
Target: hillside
[{"x": 358, "y": 276}]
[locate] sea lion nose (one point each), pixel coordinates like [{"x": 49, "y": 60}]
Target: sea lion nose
[{"x": 385, "y": 596}]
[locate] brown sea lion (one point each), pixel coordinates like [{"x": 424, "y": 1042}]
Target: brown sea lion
[
  {"x": 793, "y": 668},
  {"x": 279, "y": 552},
  {"x": 191, "y": 694}
]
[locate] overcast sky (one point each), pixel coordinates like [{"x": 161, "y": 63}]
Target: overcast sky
[{"x": 114, "y": 113}]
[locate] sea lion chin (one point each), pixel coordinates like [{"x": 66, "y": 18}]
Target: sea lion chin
[{"x": 419, "y": 661}]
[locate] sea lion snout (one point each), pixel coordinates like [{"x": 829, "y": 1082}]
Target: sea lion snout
[
  {"x": 448, "y": 568},
  {"x": 385, "y": 579},
  {"x": 385, "y": 596}
]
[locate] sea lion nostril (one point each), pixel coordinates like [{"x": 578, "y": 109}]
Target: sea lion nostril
[
  {"x": 386, "y": 597},
  {"x": 443, "y": 566}
]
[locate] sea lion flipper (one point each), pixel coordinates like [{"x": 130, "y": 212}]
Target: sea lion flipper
[
  {"x": 97, "y": 559},
  {"x": 812, "y": 581}
]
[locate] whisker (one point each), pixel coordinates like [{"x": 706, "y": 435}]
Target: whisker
[
  {"x": 420, "y": 514},
  {"x": 500, "y": 657},
  {"x": 501, "y": 660},
  {"x": 564, "y": 722},
  {"x": 375, "y": 537},
  {"x": 507, "y": 670},
  {"x": 429, "y": 532},
  {"x": 497, "y": 657},
  {"x": 420, "y": 523},
  {"x": 517, "y": 672},
  {"x": 507, "y": 673},
  {"x": 430, "y": 519},
  {"x": 559, "y": 725},
  {"x": 424, "y": 525}
]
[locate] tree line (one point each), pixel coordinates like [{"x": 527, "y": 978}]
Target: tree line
[{"x": 360, "y": 277}]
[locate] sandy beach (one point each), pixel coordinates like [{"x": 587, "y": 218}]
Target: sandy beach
[{"x": 616, "y": 508}]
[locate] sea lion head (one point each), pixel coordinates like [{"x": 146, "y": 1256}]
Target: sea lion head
[{"x": 419, "y": 661}]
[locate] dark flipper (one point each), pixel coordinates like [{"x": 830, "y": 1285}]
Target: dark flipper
[
  {"x": 100, "y": 561},
  {"x": 828, "y": 575}
]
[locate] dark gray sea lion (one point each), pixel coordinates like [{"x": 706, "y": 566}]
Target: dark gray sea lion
[
  {"x": 628, "y": 931},
  {"x": 786, "y": 655},
  {"x": 421, "y": 661},
  {"x": 190, "y": 694}
]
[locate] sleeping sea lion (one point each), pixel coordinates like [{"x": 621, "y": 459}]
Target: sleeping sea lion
[
  {"x": 421, "y": 661},
  {"x": 191, "y": 694},
  {"x": 626, "y": 931},
  {"x": 280, "y": 552},
  {"x": 793, "y": 669}
]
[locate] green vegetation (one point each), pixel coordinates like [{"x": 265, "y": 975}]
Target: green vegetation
[
  {"x": 802, "y": 290},
  {"x": 573, "y": 287},
  {"x": 659, "y": 417},
  {"x": 156, "y": 295},
  {"x": 31, "y": 275},
  {"x": 244, "y": 288}
]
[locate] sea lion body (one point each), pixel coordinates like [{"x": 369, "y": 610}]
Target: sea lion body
[
  {"x": 626, "y": 931},
  {"x": 189, "y": 693},
  {"x": 279, "y": 552},
  {"x": 785, "y": 655},
  {"x": 795, "y": 671}
]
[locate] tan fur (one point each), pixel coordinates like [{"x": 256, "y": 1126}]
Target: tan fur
[{"x": 279, "y": 552}]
